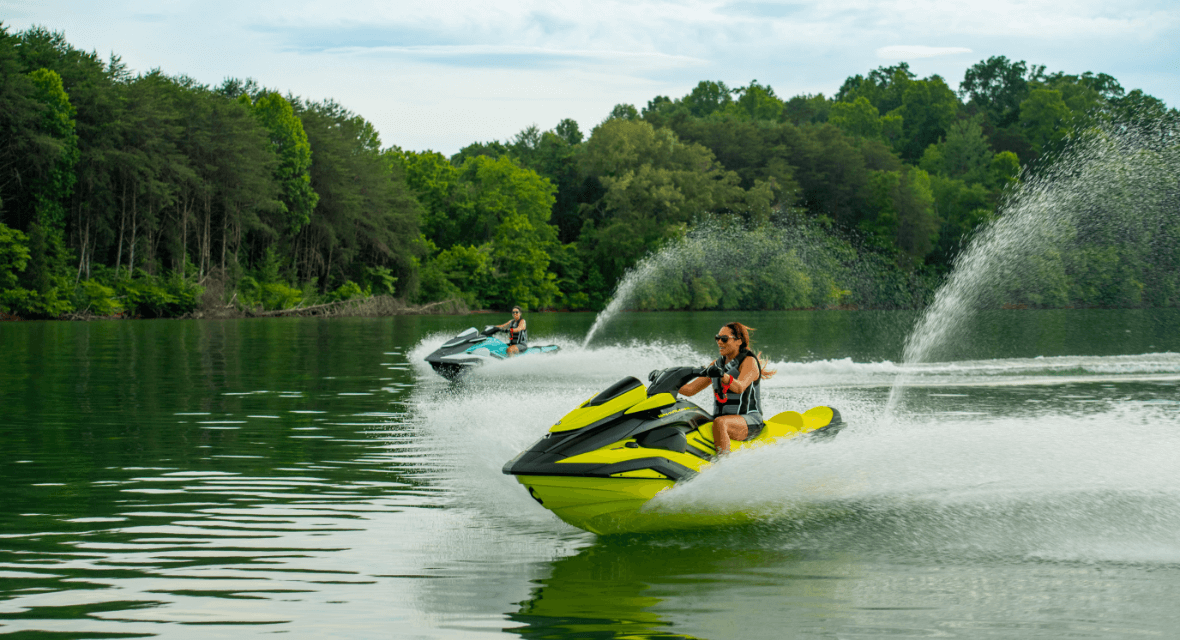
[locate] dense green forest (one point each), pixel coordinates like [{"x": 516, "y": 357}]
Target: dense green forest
[{"x": 151, "y": 195}]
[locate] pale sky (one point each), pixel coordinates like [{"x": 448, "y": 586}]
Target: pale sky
[{"x": 440, "y": 75}]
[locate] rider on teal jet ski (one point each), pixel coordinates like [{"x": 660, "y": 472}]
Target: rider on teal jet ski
[{"x": 517, "y": 332}]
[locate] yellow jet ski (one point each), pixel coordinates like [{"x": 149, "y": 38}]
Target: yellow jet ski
[{"x": 601, "y": 463}]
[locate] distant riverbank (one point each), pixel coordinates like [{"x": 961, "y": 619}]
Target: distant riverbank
[{"x": 373, "y": 306}]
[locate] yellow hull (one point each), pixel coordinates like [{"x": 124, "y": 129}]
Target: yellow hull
[
  {"x": 615, "y": 505},
  {"x": 600, "y": 480}
]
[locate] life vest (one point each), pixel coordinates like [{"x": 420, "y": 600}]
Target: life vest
[
  {"x": 517, "y": 336},
  {"x": 726, "y": 402}
]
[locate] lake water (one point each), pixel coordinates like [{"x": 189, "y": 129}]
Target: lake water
[{"x": 314, "y": 478}]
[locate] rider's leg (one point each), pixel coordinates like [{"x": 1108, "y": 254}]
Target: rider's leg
[{"x": 726, "y": 428}]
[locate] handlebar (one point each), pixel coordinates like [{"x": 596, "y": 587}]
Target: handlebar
[{"x": 670, "y": 380}]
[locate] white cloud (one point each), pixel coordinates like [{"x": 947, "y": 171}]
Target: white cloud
[
  {"x": 474, "y": 53},
  {"x": 909, "y": 52},
  {"x": 446, "y": 73}
]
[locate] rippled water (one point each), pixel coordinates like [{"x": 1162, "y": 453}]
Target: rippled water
[{"x": 314, "y": 478}]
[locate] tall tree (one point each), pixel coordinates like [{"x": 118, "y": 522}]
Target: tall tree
[
  {"x": 1042, "y": 115},
  {"x": 905, "y": 214},
  {"x": 998, "y": 86},
  {"x": 925, "y": 107},
  {"x": 653, "y": 185},
  {"x": 511, "y": 206},
  {"x": 708, "y": 97},
  {"x": 365, "y": 215},
  {"x": 756, "y": 102},
  {"x": 447, "y": 212},
  {"x": 53, "y": 177},
  {"x": 289, "y": 142},
  {"x": 964, "y": 153}
]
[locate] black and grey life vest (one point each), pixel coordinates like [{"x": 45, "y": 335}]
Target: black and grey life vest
[
  {"x": 726, "y": 402},
  {"x": 517, "y": 337}
]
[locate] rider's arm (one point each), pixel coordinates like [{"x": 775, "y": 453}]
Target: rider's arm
[
  {"x": 524, "y": 324},
  {"x": 694, "y": 387},
  {"x": 746, "y": 376}
]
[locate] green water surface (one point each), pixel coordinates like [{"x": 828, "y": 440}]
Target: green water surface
[{"x": 313, "y": 478}]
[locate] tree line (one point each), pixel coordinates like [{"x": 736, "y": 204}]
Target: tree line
[{"x": 153, "y": 195}]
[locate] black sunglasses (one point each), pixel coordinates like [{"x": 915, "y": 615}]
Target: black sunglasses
[{"x": 723, "y": 339}]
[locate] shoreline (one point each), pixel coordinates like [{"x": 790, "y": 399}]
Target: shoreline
[
  {"x": 375, "y": 306},
  {"x": 386, "y": 306}
]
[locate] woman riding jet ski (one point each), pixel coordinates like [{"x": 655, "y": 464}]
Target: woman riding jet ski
[
  {"x": 736, "y": 378},
  {"x": 518, "y": 334},
  {"x": 601, "y": 463},
  {"x": 473, "y": 348}
]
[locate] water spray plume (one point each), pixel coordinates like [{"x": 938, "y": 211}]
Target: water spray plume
[
  {"x": 1098, "y": 226},
  {"x": 622, "y": 297},
  {"x": 729, "y": 266},
  {"x": 683, "y": 269}
]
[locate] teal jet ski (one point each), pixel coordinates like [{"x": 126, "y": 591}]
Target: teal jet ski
[{"x": 472, "y": 349}]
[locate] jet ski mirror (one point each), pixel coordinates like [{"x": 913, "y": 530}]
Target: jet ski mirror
[{"x": 670, "y": 380}]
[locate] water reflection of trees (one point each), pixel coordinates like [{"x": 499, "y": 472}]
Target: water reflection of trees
[{"x": 657, "y": 587}]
